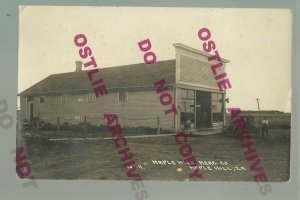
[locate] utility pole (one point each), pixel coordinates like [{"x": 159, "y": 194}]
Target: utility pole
[{"x": 258, "y": 110}]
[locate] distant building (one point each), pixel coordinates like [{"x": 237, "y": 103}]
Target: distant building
[{"x": 132, "y": 94}]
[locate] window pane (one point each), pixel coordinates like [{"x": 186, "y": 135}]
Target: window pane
[
  {"x": 220, "y": 96},
  {"x": 191, "y": 94},
  {"x": 64, "y": 99},
  {"x": 42, "y": 99},
  {"x": 91, "y": 97},
  {"x": 187, "y": 111},
  {"x": 123, "y": 96},
  {"x": 217, "y": 108},
  {"x": 183, "y": 93},
  {"x": 120, "y": 96},
  {"x": 30, "y": 98},
  {"x": 214, "y": 96}
]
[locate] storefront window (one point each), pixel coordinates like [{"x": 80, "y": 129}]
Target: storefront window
[
  {"x": 187, "y": 103},
  {"x": 214, "y": 96},
  {"x": 191, "y": 94},
  {"x": 217, "y": 107}
]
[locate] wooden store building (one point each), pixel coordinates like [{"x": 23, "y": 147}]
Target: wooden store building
[{"x": 131, "y": 94}]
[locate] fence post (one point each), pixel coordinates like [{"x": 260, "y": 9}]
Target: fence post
[
  {"x": 158, "y": 126},
  {"x": 84, "y": 126},
  {"x": 58, "y": 123}
]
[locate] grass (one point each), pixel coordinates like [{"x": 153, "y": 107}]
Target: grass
[{"x": 97, "y": 159}]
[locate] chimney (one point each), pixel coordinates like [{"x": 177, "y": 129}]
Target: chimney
[{"x": 78, "y": 66}]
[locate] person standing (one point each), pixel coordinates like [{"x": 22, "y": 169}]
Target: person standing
[
  {"x": 188, "y": 126},
  {"x": 264, "y": 127}
]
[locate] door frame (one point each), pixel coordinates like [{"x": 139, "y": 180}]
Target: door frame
[{"x": 209, "y": 110}]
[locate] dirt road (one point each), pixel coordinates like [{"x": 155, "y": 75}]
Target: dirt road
[{"x": 97, "y": 159}]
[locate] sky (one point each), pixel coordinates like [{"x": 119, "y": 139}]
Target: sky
[{"x": 257, "y": 42}]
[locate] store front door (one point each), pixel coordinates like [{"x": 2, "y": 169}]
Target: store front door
[{"x": 203, "y": 110}]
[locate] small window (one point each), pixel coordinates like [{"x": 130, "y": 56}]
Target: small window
[
  {"x": 123, "y": 96},
  {"x": 42, "y": 99},
  {"x": 30, "y": 98},
  {"x": 91, "y": 97},
  {"x": 64, "y": 99}
]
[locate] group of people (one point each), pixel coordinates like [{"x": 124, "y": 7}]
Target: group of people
[{"x": 264, "y": 126}]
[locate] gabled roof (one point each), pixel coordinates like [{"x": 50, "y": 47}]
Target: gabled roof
[{"x": 135, "y": 75}]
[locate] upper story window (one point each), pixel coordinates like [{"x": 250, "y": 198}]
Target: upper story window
[
  {"x": 91, "y": 97},
  {"x": 123, "y": 96},
  {"x": 64, "y": 98},
  {"x": 42, "y": 99}
]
